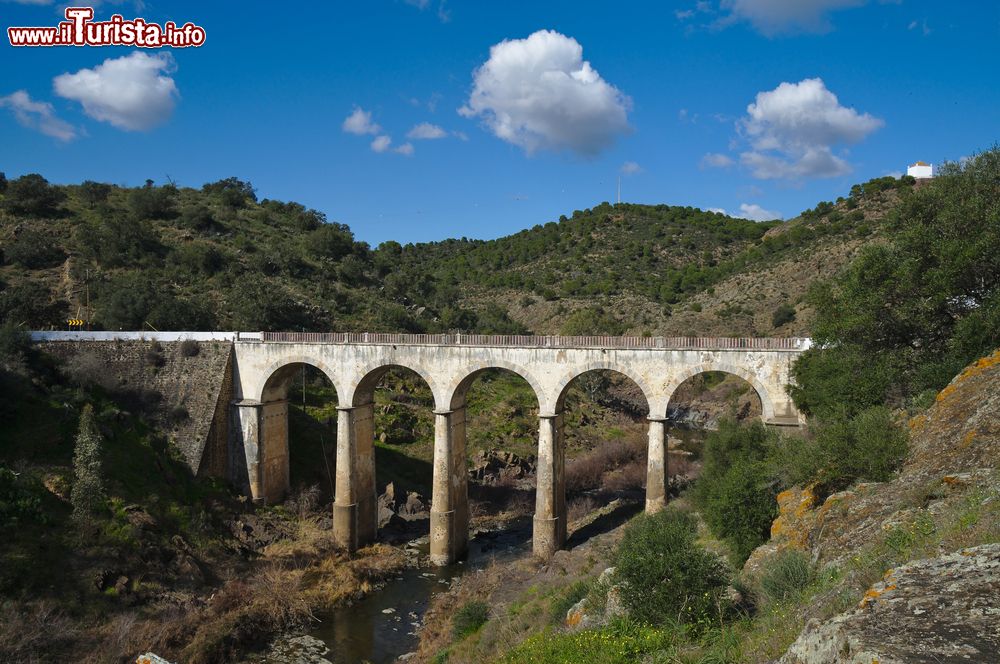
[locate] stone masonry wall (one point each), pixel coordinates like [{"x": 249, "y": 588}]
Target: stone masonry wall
[{"x": 181, "y": 396}]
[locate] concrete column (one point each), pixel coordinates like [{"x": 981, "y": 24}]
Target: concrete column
[
  {"x": 275, "y": 474},
  {"x": 550, "y": 492},
  {"x": 345, "y": 500},
  {"x": 450, "y": 494},
  {"x": 656, "y": 467},
  {"x": 245, "y": 446},
  {"x": 354, "y": 519}
]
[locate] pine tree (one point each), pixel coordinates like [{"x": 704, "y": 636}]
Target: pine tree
[{"x": 87, "y": 495}]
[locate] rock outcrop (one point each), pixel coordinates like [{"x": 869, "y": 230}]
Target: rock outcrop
[{"x": 937, "y": 610}]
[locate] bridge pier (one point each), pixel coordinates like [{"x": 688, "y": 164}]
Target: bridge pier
[
  {"x": 549, "y": 533},
  {"x": 354, "y": 516},
  {"x": 450, "y": 492},
  {"x": 656, "y": 466},
  {"x": 262, "y": 431}
]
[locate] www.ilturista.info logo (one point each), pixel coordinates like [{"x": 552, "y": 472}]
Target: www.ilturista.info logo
[{"x": 79, "y": 29}]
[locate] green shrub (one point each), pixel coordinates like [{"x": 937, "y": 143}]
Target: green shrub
[
  {"x": 34, "y": 250},
  {"x": 151, "y": 202},
  {"x": 785, "y": 574},
  {"x": 32, "y": 195},
  {"x": 469, "y": 618},
  {"x": 739, "y": 483},
  {"x": 19, "y": 500},
  {"x": 741, "y": 507},
  {"x": 621, "y": 642},
  {"x": 869, "y": 446},
  {"x": 667, "y": 576},
  {"x": 782, "y": 315}
]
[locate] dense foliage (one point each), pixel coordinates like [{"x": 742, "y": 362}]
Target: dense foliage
[
  {"x": 910, "y": 312},
  {"x": 667, "y": 576},
  {"x": 737, "y": 489}
]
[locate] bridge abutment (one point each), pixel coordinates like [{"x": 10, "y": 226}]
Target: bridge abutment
[
  {"x": 450, "y": 492},
  {"x": 549, "y": 534}
]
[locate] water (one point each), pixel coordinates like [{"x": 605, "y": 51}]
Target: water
[{"x": 369, "y": 631}]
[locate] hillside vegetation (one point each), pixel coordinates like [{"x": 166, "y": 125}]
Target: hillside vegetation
[{"x": 168, "y": 257}]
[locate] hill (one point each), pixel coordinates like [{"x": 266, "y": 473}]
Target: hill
[{"x": 171, "y": 257}]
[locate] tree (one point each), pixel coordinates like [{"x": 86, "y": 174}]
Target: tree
[
  {"x": 32, "y": 195},
  {"x": 909, "y": 314},
  {"x": 784, "y": 314},
  {"x": 87, "y": 495},
  {"x": 94, "y": 193},
  {"x": 152, "y": 202},
  {"x": 232, "y": 191}
]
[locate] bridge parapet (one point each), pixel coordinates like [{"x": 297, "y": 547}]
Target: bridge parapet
[{"x": 537, "y": 341}]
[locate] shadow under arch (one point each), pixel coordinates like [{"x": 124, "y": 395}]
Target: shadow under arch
[
  {"x": 766, "y": 405},
  {"x": 270, "y": 478}
]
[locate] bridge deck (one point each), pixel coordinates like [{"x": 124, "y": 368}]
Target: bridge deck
[{"x": 480, "y": 340}]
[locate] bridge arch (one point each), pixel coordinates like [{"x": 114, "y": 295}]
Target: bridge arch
[
  {"x": 269, "y": 469},
  {"x": 558, "y": 398},
  {"x": 458, "y": 386},
  {"x": 364, "y": 390},
  {"x": 277, "y": 376},
  {"x": 766, "y": 400}
]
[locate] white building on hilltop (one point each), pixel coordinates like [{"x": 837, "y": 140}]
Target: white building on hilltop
[{"x": 921, "y": 170}]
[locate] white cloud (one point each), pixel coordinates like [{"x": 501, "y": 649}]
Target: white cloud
[
  {"x": 793, "y": 128},
  {"x": 718, "y": 211},
  {"x": 133, "y": 92},
  {"x": 755, "y": 212},
  {"x": 37, "y": 115},
  {"x": 540, "y": 94},
  {"x": 426, "y": 131},
  {"x": 771, "y": 17},
  {"x": 716, "y": 160},
  {"x": 631, "y": 168},
  {"x": 360, "y": 122},
  {"x": 383, "y": 143}
]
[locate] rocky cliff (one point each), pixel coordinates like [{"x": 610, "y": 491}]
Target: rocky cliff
[{"x": 922, "y": 547}]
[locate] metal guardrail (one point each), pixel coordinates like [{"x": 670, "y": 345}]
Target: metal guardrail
[{"x": 534, "y": 341}]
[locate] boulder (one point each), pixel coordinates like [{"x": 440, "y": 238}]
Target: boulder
[
  {"x": 577, "y": 616},
  {"x": 415, "y": 504},
  {"x": 387, "y": 505},
  {"x": 935, "y": 610},
  {"x": 498, "y": 466}
]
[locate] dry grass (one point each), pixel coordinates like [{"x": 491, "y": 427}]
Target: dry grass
[
  {"x": 587, "y": 472},
  {"x": 34, "y": 633}
]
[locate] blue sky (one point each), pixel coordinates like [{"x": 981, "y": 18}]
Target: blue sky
[{"x": 759, "y": 106}]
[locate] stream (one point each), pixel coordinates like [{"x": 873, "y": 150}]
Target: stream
[{"x": 382, "y": 626}]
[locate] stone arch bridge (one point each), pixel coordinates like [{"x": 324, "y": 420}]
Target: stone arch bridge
[
  {"x": 262, "y": 366},
  {"x": 354, "y": 363}
]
